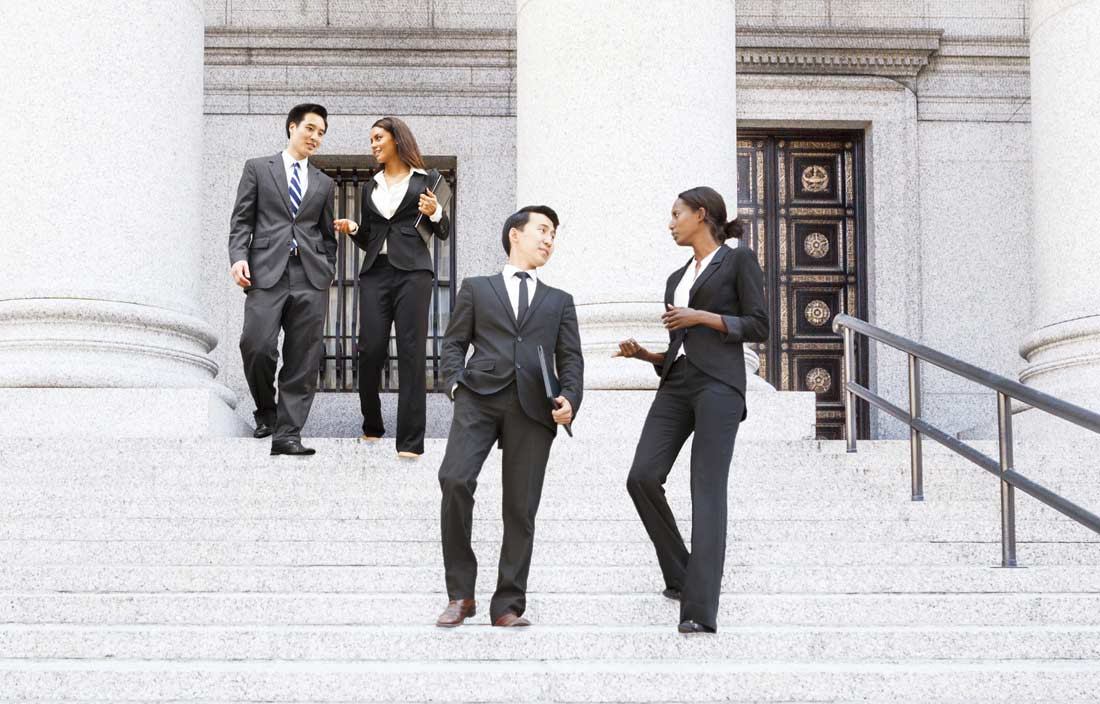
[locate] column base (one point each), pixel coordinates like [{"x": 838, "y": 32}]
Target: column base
[
  {"x": 604, "y": 325},
  {"x": 1063, "y": 361},
  {"x": 773, "y": 415},
  {"x": 117, "y": 413},
  {"x": 1034, "y": 426}
]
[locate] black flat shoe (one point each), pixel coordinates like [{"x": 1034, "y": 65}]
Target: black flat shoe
[
  {"x": 670, "y": 593},
  {"x": 290, "y": 447},
  {"x": 262, "y": 430},
  {"x": 690, "y": 626}
]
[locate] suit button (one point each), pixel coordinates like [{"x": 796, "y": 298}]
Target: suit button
[
  {"x": 519, "y": 339},
  {"x": 518, "y": 367}
]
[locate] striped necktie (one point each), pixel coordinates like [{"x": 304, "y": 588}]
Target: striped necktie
[{"x": 295, "y": 202}]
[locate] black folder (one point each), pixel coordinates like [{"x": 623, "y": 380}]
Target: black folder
[
  {"x": 553, "y": 389},
  {"x": 442, "y": 191}
]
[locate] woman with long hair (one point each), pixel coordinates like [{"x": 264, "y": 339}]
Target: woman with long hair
[
  {"x": 395, "y": 280},
  {"x": 713, "y": 304}
]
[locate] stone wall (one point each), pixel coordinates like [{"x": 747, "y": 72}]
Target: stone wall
[
  {"x": 942, "y": 90},
  {"x": 447, "y": 68},
  {"x": 940, "y": 87},
  {"x": 957, "y": 18}
]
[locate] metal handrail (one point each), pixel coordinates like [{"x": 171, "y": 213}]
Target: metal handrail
[{"x": 1007, "y": 390}]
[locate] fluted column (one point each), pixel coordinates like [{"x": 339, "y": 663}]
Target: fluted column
[
  {"x": 620, "y": 106},
  {"x": 1063, "y": 351},
  {"x": 100, "y": 326}
]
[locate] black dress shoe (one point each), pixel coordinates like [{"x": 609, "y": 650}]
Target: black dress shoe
[
  {"x": 671, "y": 593},
  {"x": 262, "y": 430},
  {"x": 690, "y": 626},
  {"x": 290, "y": 447}
]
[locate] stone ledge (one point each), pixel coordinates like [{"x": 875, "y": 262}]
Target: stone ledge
[
  {"x": 896, "y": 54},
  {"x": 327, "y": 40},
  {"x": 117, "y": 413},
  {"x": 412, "y": 72}
]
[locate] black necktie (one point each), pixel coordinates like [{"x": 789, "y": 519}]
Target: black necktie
[{"x": 523, "y": 299}]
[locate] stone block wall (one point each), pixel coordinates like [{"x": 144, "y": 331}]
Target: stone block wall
[{"x": 940, "y": 86}]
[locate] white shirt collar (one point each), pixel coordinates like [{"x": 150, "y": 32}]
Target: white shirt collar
[
  {"x": 288, "y": 160},
  {"x": 706, "y": 260},
  {"x": 510, "y": 272},
  {"x": 380, "y": 177}
]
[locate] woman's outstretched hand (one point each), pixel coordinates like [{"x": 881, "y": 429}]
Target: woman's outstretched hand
[{"x": 630, "y": 348}]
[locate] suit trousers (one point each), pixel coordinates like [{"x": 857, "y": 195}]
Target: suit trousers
[
  {"x": 479, "y": 421},
  {"x": 297, "y": 307},
  {"x": 394, "y": 297},
  {"x": 688, "y": 401}
]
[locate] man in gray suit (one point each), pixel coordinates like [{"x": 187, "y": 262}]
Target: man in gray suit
[{"x": 283, "y": 254}]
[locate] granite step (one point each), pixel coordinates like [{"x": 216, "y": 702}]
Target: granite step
[
  {"x": 574, "y": 608},
  {"x": 784, "y": 528},
  {"x": 547, "y": 643},
  {"x": 408, "y": 553},
  {"x": 726, "y": 679},
  {"x": 847, "y": 579}
]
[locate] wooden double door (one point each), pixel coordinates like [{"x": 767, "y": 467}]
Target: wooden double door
[{"x": 800, "y": 196}]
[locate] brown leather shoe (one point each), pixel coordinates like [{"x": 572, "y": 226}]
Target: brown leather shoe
[
  {"x": 511, "y": 620},
  {"x": 456, "y": 612}
]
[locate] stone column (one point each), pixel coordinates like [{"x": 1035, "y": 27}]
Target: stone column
[
  {"x": 620, "y": 106},
  {"x": 1063, "y": 352},
  {"x": 101, "y": 331}
]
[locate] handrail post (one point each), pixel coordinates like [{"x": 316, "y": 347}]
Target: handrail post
[
  {"x": 916, "y": 456},
  {"x": 849, "y": 397},
  {"x": 1008, "y": 492}
]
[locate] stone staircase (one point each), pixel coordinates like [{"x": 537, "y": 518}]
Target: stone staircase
[{"x": 208, "y": 571}]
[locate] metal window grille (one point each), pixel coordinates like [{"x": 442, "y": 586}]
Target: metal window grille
[{"x": 340, "y": 364}]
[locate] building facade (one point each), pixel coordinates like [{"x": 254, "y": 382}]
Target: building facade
[{"x": 883, "y": 155}]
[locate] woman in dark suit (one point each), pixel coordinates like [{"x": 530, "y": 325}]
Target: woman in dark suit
[
  {"x": 395, "y": 283},
  {"x": 713, "y": 304}
]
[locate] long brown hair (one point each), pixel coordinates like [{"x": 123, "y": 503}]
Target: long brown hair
[{"x": 407, "y": 149}]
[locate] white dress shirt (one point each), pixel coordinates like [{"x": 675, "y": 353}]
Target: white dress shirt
[
  {"x": 683, "y": 290},
  {"x": 387, "y": 198},
  {"x": 511, "y": 282},
  {"x": 303, "y": 171}
]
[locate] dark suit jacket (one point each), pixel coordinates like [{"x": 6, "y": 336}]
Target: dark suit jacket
[
  {"x": 506, "y": 352},
  {"x": 732, "y": 286},
  {"x": 406, "y": 250},
  {"x": 261, "y": 226}
]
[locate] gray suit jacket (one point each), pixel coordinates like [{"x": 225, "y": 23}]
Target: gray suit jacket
[{"x": 261, "y": 227}]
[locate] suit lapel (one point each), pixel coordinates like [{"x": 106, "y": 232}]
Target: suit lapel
[
  {"x": 412, "y": 195},
  {"x": 368, "y": 193},
  {"x": 311, "y": 190},
  {"x": 278, "y": 172},
  {"x": 541, "y": 291},
  {"x": 497, "y": 284},
  {"x": 705, "y": 273}
]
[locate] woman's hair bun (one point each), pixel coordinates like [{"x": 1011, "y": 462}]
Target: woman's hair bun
[{"x": 732, "y": 230}]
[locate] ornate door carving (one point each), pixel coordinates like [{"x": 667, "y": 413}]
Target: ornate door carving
[{"x": 801, "y": 198}]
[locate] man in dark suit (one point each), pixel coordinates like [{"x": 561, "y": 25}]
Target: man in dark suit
[
  {"x": 283, "y": 254},
  {"x": 499, "y": 396}
]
